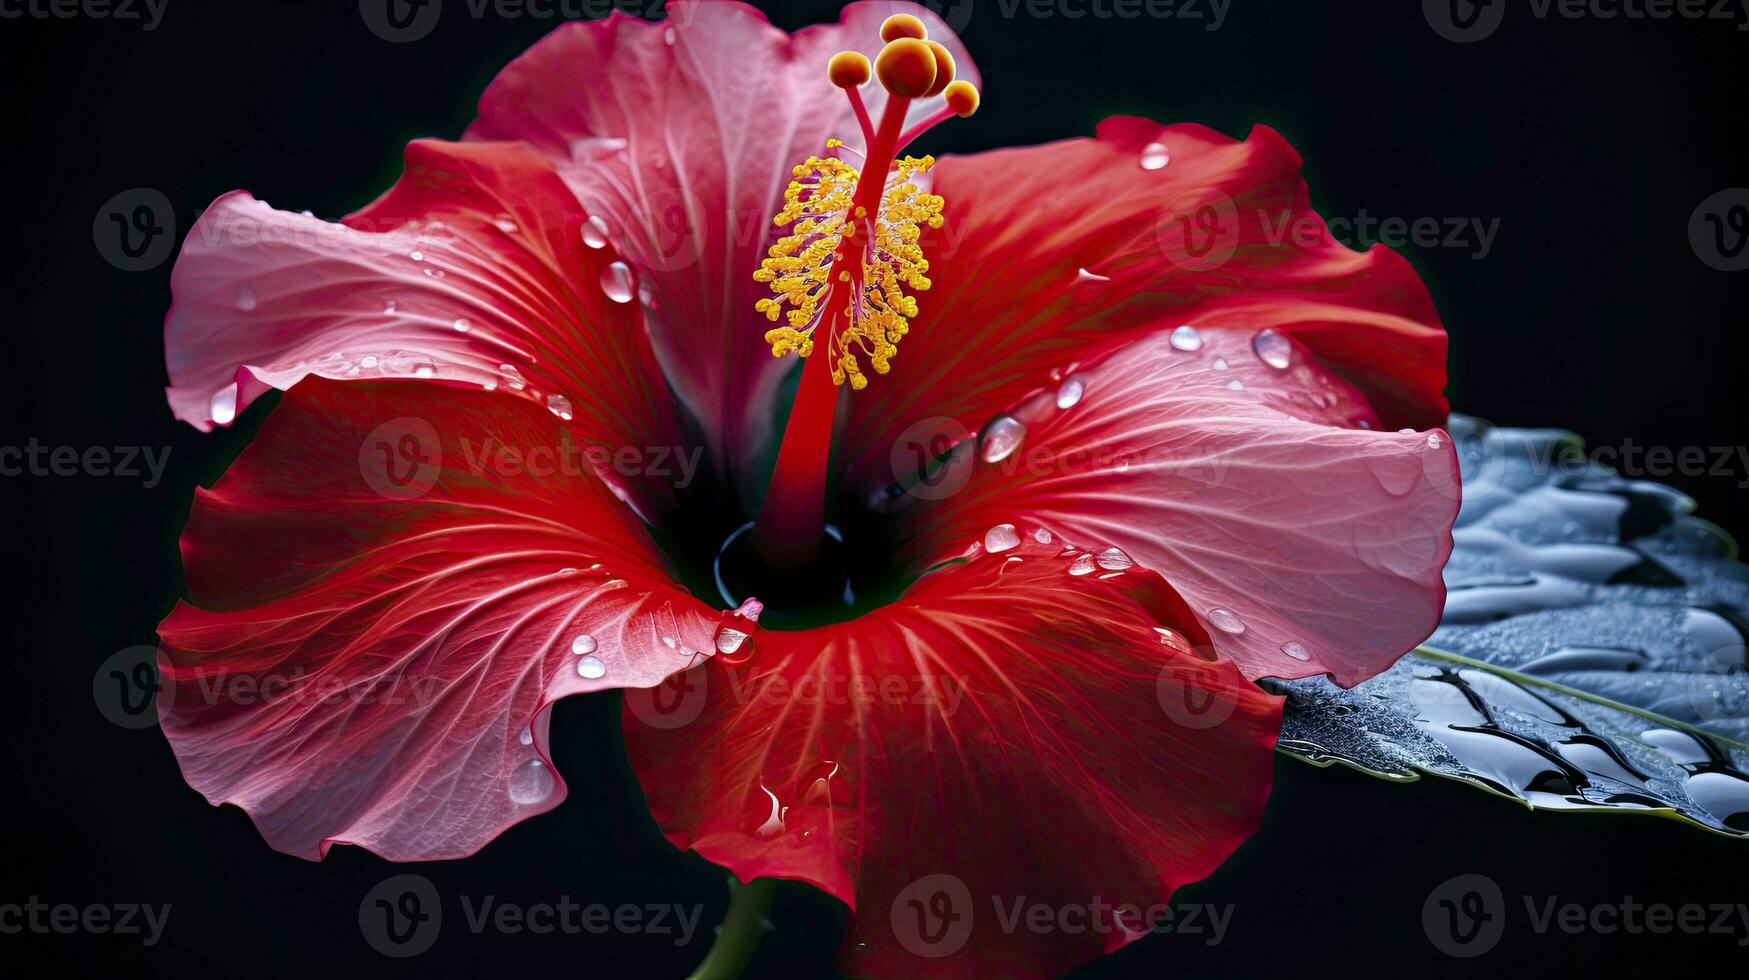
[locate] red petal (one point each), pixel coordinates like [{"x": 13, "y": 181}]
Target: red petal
[
  {"x": 1057, "y": 253},
  {"x": 1233, "y": 479},
  {"x": 367, "y": 648},
  {"x": 483, "y": 235},
  {"x": 1025, "y": 733},
  {"x": 682, "y": 133}
]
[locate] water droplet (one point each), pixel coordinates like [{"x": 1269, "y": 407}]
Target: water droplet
[
  {"x": 368, "y": 361},
  {"x": 434, "y": 273},
  {"x": 591, "y": 667},
  {"x": 506, "y": 225},
  {"x": 1113, "y": 559},
  {"x": 773, "y": 824},
  {"x": 526, "y": 736},
  {"x": 670, "y": 642},
  {"x": 424, "y": 369},
  {"x": 1220, "y": 364},
  {"x": 531, "y": 782},
  {"x": 1235, "y": 385},
  {"x": 1082, "y": 565},
  {"x": 416, "y": 255},
  {"x": 1296, "y": 650},
  {"x": 584, "y": 643},
  {"x": 1185, "y": 338},
  {"x": 595, "y": 232},
  {"x": 559, "y": 405},
  {"x": 1272, "y": 349},
  {"x": 463, "y": 325},
  {"x": 616, "y": 282},
  {"x": 1434, "y": 441},
  {"x": 1069, "y": 393},
  {"x": 730, "y": 640},
  {"x": 1001, "y": 538},
  {"x": 223, "y": 406},
  {"x": 1155, "y": 157},
  {"x": 245, "y": 299},
  {"x": 1002, "y": 438},
  {"x": 1226, "y": 620},
  {"x": 388, "y": 306},
  {"x": 512, "y": 377},
  {"x": 1042, "y": 536}
]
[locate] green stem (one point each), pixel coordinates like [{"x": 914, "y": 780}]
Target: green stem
[{"x": 743, "y": 926}]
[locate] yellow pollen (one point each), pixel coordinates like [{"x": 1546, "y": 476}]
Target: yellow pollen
[{"x": 827, "y": 227}]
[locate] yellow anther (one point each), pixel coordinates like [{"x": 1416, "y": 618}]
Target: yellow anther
[
  {"x": 906, "y": 67},
  {"x": 962, "y": 98},
  {"x": 943, "y": 67},
  {"x": 848, "y": 69},
  {"x": 903, "y": 25},
  {"x": 828, "y": 228}
]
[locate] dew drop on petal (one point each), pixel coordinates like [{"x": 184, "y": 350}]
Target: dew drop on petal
[
  {"x": 531, "y": 782},
  {"x": 416, "y": 255},
  {"x": 730, "y": 640},
  {"x": 1114, "y": 559},
  {"x": 505, "y": 225},
  {"x": 1226, "y": 620},
  {"x": 1272, "y": 349},
  {"x": 1185, "y": 338},
  {"x": 1434, "y": 441},
  {"x": 223, "y": 406},
  {"x": 1155, "y": 157},
  {"x": 1082, "y": 565},
  {"x": 526, "y": 736},
  {"x": 388, "y": 306},
  {"x": 1001, "y": 538},
  {"x": 1069, "y": 393},
  {"x": 1296, "y": 650},
  {"x": 512, "y": 377},
  {"x": 424, "y": 369},
  {"x": 591, "y": 667},
  {"x": 1235, "y": 385},
  {"x": 368, "y": 361},
  {"x": 616, "y": 282},
  {"x": 559, "y": 405},
  {"x": 1002, "y": 438},
  {"x": 434, "y": 273},
  {"x": 595, "y": 232},
  {"x": 584, "y": 643},
  {"x": 1220, "y": 364},
  {"x": 1042, "y": 536},
  {"x": 463, "y": 325},
  {"x": 245, "y": 299}
]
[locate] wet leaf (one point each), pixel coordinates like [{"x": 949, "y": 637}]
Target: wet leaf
[{"x": 1591, "y": 655}]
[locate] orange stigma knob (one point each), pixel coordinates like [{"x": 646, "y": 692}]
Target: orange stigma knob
[
  {"x": 906, "y": 67},
  {"x": 848, "y": 69},
  {"x": 943, "y": 68},
  {"x": 902, "y": 25},
  {"x": 962, "y": 98}
]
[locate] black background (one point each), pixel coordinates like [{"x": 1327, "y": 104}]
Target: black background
[{"x": 1591, "y": 141}]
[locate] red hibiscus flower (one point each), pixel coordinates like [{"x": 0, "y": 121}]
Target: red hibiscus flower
[{"x": 1133, "y": 454}]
